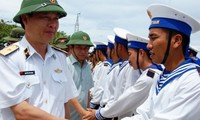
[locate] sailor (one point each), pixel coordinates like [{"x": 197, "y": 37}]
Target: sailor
[
  {"x": 177, "y": 92},
  {"x": 193, "y": 54},
  {"x": 112, "y": 74},
  {"x": 126, "y": 75},
  {"x": 192, "y": 51},
  {"x": 99, "y": 76}
]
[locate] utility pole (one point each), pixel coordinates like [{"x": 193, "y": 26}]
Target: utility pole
[{"x": 76, "y": 27}]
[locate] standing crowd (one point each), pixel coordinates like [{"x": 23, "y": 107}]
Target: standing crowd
[{"x": 129, "y": 77}]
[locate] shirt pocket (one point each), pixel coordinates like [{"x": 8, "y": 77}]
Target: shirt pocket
[
  {"x": 58, "y": 78},
  {"x": 33, "y": 85},
  {"x": 32, "y": 80},
  {"x": 58, "y": 85}
]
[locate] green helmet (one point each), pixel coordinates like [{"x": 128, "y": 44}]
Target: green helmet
[
  {"x": 15, "y": 35},
  {"x": 80, "y": 38},
  {"x": 32, "y": 6},
  {"x": 61, "y": 42}
]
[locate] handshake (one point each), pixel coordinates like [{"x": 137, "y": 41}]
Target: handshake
[{"x": 89, "y": 114}]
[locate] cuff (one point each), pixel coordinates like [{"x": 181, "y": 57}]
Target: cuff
[
  {"x": 99, "y": 116},
  {"x": 94, "y": 106}
]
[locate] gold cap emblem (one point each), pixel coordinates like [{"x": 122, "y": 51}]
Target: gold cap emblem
[
  {"x": 155, "y": 22},
  {"x": 52, "y": 1},
  {"x": 84, "y": 38}
]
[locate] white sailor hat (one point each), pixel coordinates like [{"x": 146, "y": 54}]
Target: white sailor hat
[
  {"x": 120, "y": 36},
  {"x": 192, "y": 49},
  {"x": 111, "y": 40},
  {"x": 100, "y": 45},
  {"x": 163, "y": 16},
  {"x": 137, "y": 42}
]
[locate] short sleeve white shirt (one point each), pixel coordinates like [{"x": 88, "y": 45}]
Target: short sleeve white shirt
[{"x": 44, "y": 83}]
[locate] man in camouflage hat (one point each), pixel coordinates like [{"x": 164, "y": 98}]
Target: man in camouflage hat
[
  {"x": 79, "y": 45},
  {"x": 36, "y": 82}
]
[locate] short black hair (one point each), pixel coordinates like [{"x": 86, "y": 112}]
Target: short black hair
[{"x": 185, "y": 41}]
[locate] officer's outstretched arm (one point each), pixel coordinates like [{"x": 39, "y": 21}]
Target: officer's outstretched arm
[
  {"x": 25, "y": 111},
  {"x": 77, "y": 106}
]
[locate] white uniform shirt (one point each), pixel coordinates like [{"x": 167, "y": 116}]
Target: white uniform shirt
[
  {"x": 110, "y": 84},
  {"x": 132, "y": 97},
  {"x": 46, "y": 84},
  {"x": 178, "y": 100},
  {"x": 95, "y": 75},
  {"x": 127, "y": 76},
  {"x": 99, "y": 86}
]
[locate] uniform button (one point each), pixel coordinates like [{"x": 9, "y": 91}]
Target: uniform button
[
  {"x": 28, "y": 84},
  {"x": 45, "y": 101}
]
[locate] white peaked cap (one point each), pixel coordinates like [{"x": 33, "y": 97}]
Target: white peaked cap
[
  {"x": 137, "y": 42},
  {"x": 167, "y": 17},
  {"x": 120, "y": 36},
  {"x": 111, "y": 39}
]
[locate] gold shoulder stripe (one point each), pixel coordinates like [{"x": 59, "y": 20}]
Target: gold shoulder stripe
[{"x": 8, "y": 50}]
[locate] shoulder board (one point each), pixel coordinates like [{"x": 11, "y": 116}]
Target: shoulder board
[
  {"x": 8, "y": 50},
  {"x": 58, "y": 49},
  {"x": 99, "y": 62},
  {"x": 198, "y": 69},
  {"x": 106, "y": 64},
  {"x": 150, "y": 73}
]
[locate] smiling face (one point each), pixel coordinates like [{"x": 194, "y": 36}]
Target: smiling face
[
  {"x": 80, "y": 51},
  {"x": 132, "y": 57},
  {"x": 41, "y": 27},
  {"x": 157, "y": 44}
]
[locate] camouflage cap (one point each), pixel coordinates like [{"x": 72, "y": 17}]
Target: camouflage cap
[
  {"x": 32, "y": 6},
  {"x": 80, "y": 38},
  {"x": 15, "y": 35}
]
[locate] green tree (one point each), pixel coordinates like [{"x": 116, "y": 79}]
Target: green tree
[{"x": 5, "y": 28}]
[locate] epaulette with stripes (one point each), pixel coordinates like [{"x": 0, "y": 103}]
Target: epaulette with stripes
[{"x": 8, "y": 50}]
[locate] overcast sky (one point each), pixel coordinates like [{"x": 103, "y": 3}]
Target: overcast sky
[{"x": 99, "y": 17}]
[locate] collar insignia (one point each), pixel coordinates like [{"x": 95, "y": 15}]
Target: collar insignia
[{"x": 26, "y": 53}]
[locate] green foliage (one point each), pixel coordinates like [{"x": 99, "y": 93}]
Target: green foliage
[{"x": 5, "y": 28}]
